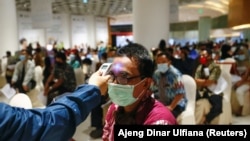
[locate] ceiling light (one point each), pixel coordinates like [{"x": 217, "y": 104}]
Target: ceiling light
[
  {"x": 243, "y": 26},
  {"x": 85, "y": 1},
  {"x": 226, "y": 2},
  {"x": 235, "y": 34},
  {"x": 205, "y": 6},
  {"x": 215, "y": 4}
]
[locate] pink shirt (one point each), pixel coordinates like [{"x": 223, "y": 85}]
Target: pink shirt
[{"x": 150, "y": 112}]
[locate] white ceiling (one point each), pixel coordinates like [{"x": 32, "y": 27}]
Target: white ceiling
[{"x": 189, "y": 10}]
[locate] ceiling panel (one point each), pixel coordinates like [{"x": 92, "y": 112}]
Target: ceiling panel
[{"x": 119, "y": 7}]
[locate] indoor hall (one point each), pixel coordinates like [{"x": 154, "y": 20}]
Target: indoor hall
[
  {"x": 78, "y": 24},
  {"x": 83, "y": 130}
]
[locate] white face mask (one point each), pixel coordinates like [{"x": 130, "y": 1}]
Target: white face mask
[
  {"x": 163, "y": 67},
  {"x": 241, "y": 57},
  {"x": 122, "y": 95},
  {"x": 213, "y": 55}
]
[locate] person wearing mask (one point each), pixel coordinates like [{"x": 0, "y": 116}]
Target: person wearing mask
[
  {"x": 129, "y": 90},
  {"x": 167, "y": 80},
  {"x": 207, "y": 74},
  {"x": 11, "y": 62},
  {"x": 61, "y": 80},
  {"x": 23, "y": 75},
  {"x": 242, "y": 86},
  {"x": 59, "y": 120},
  {"x": 75, "y": 60},
  {"x": 185, "y": 64}
]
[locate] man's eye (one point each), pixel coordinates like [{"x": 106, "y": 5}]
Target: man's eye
[{"x": 124, "y": 75}]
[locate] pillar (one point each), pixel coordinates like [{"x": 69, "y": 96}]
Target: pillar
[
  {"x": 109, "y": 32},
  {"x": 204, "y": 27},
  {"x": 246, "y": 34},
  {"x": 8, "y": 23},
  {"x": 150, "y": 22},
  {"x": 91, "y": 30},
  {"x": 67, "y": 35}
]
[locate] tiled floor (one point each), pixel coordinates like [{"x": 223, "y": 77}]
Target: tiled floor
[{"x": 83, "y": 130}]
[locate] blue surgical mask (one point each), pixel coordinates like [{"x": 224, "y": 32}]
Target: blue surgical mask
[
  {"x": 72, "y": 57},
  {"x": 241, "y": 57},
  {"x": 51, "y": 56},
  {"x": 22, "y": 57},
  {"x": 122, "y": 95},
  {"x": 162, "y": 67}
]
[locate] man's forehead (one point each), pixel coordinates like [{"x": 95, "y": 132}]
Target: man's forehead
[
  {"x": 117, "y": 67},
  {"x": 204, "y": 52},
  {"x": 121, "y": 68}
]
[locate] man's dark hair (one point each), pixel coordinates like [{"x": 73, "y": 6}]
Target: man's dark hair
[
  {"x": 209, "y": 50},
  {"x": 141, "y": 55},
  {"x": 22, "y": 40},
  {"x": 8, "y": 53},
  {"x": 61, "y": 55},
  {"x": 167, "y": 54},
  {"x": 162, "y": 45}
]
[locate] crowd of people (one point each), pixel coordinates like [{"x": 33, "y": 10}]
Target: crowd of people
[{"x": 144, "y": 86}]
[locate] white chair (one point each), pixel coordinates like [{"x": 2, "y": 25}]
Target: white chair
[
  {"x": 79, "y": 76},
  {"x": 226, "y": 116},
  {"x": 188, "y": 116},
  {"x": 38, "y": 77},
  {"x": 246, "y": 106},
  {"x": 21, "y": 100}
]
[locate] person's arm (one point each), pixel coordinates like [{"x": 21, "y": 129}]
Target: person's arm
[
  {"x": 29, "y": 73},
  {"x": 212, "y": 79},
  {"x": 46, "y": 87},
  {"x": 204, "y": 82},
  {"x": 15, "y": 74},
  {"x": 178, "y": 87},
  {"x": 175, "y": 101},
  {"x": 56, "y": 122}
]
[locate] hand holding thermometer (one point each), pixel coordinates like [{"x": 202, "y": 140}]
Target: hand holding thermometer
[{"x": 105, "y": 68}]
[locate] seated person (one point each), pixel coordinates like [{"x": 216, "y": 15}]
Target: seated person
[
  {"x": 130, "y": 93},
  {"x": 167, "y": 79},
  {"x": 207, "y": 74},
  {"x": 23, "y": 75},
  {"x": 61, "y": 80}
]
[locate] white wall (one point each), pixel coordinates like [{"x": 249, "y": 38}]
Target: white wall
[
  {"x": 69, "y": 29},
  {"x": 101, "y": 30},
  {"x": 25, "y": 29},
  {"x": 184, "y": 36}
]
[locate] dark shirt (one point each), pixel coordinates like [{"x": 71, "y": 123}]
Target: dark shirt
[{"x": 65, "y": 72}]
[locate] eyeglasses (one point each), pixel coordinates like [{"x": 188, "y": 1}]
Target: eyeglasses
[{"x": 122, "y": 78}]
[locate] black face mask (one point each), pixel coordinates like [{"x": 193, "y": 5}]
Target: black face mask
[{"x": 59, "y": 63}]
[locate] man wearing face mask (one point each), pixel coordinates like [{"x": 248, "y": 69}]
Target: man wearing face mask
[
  {"x": 74, "y": 60},
  {"x": 167, "y": 79},
  {"x": 207, "y": 74},
  {"x": 23, "y": 73},
  {"x": 61, "y": 80},
  {"x": 130, "y": 93}
]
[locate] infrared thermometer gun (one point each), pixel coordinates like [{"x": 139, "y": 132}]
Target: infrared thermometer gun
[{"x": 105, "y": 68}]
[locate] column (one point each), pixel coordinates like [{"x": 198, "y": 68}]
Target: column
[
  {"x": 150, "y": 22},
  {"x": 204, "y": 27},
  {"x": 91, "y": 31},
  {"x": 66, "y": 26},
  {"x": 109, "y": 32},
  {"x": 246, "y": 33},
  {"x": 8, "y": 27}
]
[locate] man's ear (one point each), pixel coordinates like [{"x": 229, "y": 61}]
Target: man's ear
[{"x": 147, "y": 82}]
